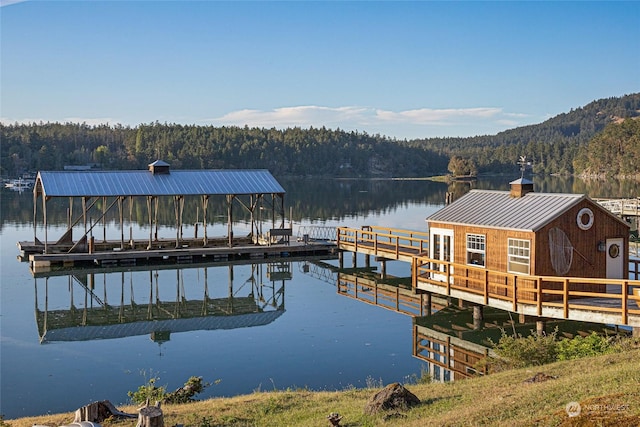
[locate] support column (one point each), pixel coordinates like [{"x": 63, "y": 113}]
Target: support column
[
  {"x": 121, "y": 218},
  {"x": 205, "y": 205},
  {"x": 44, "y": 214},
  {"x": 478, "y": 316},
  {"x": 383, "y": 268},
  {"x": 104, "y": 219},
  {"x": 230, "y": 220},
  {"x": 341, "y": 259},
  {"x": 150, "y": 211},
  {"x": 131, "y": 242},
  {"x": 635, "y": 332},
  {"x": 540, "y": 327},
  {"x": 354, "y": 260}
]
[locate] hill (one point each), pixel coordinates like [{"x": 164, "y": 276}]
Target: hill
[
  {"x": 605, "y": 387},
  {"x": 554, "y": 146}
]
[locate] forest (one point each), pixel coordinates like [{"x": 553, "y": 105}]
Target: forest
[{"x": 571, "y": 143}]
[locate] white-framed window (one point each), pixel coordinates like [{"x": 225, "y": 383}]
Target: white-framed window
[
  {"x": 519, "y": 256},
  {"x": 476, "y": 249}
]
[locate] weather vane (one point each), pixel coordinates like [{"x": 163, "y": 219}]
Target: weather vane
[{"x": 524, "y": 163}]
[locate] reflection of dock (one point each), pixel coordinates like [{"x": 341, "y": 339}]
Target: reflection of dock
[
  {"x": 147, "y": 304},
  {"x": 390, "y": 293}
]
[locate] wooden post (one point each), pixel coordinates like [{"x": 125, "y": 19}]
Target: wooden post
[{"x": 478, "y": 316}]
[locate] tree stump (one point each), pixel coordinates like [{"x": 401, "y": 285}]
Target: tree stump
[
  {"x": 97, "y": 412},
  {"x": 150, "y": 416}
]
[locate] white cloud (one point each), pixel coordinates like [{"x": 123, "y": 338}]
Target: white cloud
[
  {"x": 437, "y": 116},
  {"x": 368, "y": 119},
  {"x": 4, "y": 3},
  {"x": 303, "y": 116}
]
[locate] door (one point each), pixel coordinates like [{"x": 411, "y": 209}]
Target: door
[
  {"x": 441, "y": 249},
  {"x": 615, "y": 259}
]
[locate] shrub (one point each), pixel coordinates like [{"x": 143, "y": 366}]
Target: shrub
[
  {"x": 578, "y": 346},
  {"x": 532, "y": 350},
  {"x": 148, "y": 392}
]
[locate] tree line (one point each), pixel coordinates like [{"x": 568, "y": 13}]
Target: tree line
[{"x": 558, "y": 145}]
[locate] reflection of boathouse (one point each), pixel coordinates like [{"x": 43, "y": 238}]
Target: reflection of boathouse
[{"x": 156, "y": 302}]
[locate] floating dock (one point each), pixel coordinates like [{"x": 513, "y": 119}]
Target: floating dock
[{"x": 111, "y": 254}]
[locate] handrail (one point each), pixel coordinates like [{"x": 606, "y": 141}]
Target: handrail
[
  {"x": 565, "y": 293},
  {"x": 392, "y": 241},
  {"x": 512, "y": 290}
]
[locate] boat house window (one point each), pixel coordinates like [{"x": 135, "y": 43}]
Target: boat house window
[
  {"x": 519, "y": 260},
  {"x": 475, "y": 249}
]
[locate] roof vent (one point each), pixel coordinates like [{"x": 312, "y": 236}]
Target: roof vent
[
  {"x": 159, "y": 167},
  {"x": 520, "y": 187}
]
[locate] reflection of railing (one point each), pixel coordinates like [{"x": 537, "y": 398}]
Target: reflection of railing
[
  {"x": 586, "y": 299},
  {"x": 392, "y": 297},
  {"x": 150, "y": 304},
  {"x": 320, "y": 270},
  {"x": 381, "y": 241},
  {"x": 448, "y": 355}
]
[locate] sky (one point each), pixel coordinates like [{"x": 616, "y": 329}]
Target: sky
[{"x": 406, "y": 70}]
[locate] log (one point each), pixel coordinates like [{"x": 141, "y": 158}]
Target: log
[
  {"x": 150, "y": 416},
  {"x": 97, "y": 412}
]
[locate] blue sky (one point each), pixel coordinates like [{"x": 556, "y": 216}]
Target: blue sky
[{"x": 401, "y": 69}]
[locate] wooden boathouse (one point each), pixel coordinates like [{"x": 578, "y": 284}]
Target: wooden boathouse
[
  {"x": 523, "y": 232},
  {"x": 102, "y": 192},
  {"x": 557, "y": 256}
]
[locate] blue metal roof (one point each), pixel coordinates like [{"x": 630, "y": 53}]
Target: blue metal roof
[{"x": 145, "y": 183}]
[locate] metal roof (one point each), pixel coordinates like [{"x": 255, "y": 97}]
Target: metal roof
[
  {"x": 121, "y": 330},
  {"x": 145, "y": 183},
  {"x": 497, "y": 209}
]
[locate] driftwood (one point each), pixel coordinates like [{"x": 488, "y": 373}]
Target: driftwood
[
  {"x": 97, "y": 412},
  {"x": 150, "y": 416}
]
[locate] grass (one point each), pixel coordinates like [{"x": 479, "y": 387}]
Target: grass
[{"x": 606, "y": 387}]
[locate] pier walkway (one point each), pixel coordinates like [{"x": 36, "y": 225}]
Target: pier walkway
[
  {"x": 617, "y": 302},
  {"x": 621, "y": 207}
]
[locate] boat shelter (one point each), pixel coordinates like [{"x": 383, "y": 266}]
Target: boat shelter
[{"x": 103, "y": 191}]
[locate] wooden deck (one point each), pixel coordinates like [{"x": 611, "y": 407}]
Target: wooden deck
[
  {"x": 541, "y": 296},
  {"x": 112, "y": 255}
]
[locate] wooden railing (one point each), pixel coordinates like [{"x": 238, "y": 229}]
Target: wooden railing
[
  {"x": 621, "y": 206},
  {"x": 391, "y": 242},
  {"x": 541, "y": 294}
]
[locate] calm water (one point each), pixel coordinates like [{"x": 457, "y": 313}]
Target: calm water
[{"x": 306, "y": 335}]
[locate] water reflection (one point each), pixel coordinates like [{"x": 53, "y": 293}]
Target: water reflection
[
  {"x": 107, "y": 305},
  {"x": 452, "y": 343}
]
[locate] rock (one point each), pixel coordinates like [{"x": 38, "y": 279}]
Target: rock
[
  {"x": 540, "y": 377},
  {"x": 392, "y": 397}
]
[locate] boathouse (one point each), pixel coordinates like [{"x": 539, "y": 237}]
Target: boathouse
[
  {"x": 524, "y": 232},
  {"x": 101, "y": 192}
]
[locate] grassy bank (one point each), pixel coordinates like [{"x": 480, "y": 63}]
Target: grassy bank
[{"x": 606, "y": 387}]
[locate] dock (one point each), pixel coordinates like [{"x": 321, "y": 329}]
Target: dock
[
  {"x": 617, "y": 301},
  {"x": 110, "y": 254}
]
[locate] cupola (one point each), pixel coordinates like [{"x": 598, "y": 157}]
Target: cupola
[{"x": 159, "y": 167}]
